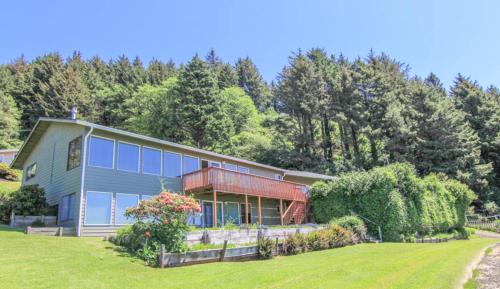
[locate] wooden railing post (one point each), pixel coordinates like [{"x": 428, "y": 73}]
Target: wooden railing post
[
  {"x": 246, "y": 209},
  {"x": 215, "y": 209},
  {"x": 260, "y": 213},
  {"x": 281, "y": 211}
]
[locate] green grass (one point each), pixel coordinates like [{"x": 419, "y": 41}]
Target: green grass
[
  {"x": 9, "y": 187},
  {"x": 28, "y": 261}
]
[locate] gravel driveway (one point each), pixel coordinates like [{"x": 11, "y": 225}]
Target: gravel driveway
[{"x": 489, "y": 268}]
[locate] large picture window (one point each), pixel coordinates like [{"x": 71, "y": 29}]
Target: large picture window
[
  {"x": 67, "y": 207},
  {"x": 74, "y": 153},
  {"x": 101, "y": 152},
  {"x": 151, "y": 161},
  {"x": 124, "y": 201},
  {"x": 171, "y": 165},
  {"x": 190, "y": 164},
  {"x": 98, "y": 208},
  {"x": 128, "y": 157}
]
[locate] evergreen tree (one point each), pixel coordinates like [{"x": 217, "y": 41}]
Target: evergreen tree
[
  {"x": 157, "y": 71},
  {"x": 252, "y": 83},
  {"x": 9, "y": 114}
]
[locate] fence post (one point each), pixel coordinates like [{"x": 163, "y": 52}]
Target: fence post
[
  {"x": 223, "y": 251},
  {"x": 380, "y": 234},
  {"x": 12, "y": 216},
  {"x": 277, "y": 247},
  {"x": 162, "y": 255},
  {"x": 60, "y": 231}
]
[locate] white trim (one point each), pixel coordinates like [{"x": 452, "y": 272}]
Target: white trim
[
  {"x": 114, "y": 151},
  {"x": 124, "y": 194},
  {"x": 138, "y": 157},
  {"x": 163, "y": 163},
  {"x": 82, "y": 181},
  {"x": 110, "y": 209},
  {"x": 142, "y": 160},
  {"x": 199, "y": 163}
]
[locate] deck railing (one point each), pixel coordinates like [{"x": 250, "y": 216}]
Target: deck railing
[{"x": 223, "y": 180}]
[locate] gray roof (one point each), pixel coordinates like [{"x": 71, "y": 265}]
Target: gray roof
[
  {"x": 43, "y": 124},
  {"x": 9, "y": 151}
]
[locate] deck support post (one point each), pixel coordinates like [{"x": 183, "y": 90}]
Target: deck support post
[
  {"x": 281, "y": 211},
  {"x": 260, "y": 213},
  {"x": 246, "y": 209},
  {"x": 215, "y": 209}
]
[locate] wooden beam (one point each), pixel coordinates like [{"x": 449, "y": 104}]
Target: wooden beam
[
  {"x": 260, "y": 213},
  {"x": 246, "y": 209},
  {"x": 281, "y": 211},
  {"x": 215, "y": 209}
]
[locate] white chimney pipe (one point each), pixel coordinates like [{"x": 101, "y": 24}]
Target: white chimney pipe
[{"x": 74, "y": 110}]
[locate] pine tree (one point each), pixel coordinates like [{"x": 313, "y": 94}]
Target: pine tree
[
  {"x": 252, "y": 83},
  {"x": 9, "y": 114}
]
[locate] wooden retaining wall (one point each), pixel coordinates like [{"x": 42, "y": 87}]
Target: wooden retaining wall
[
  {"x": 25, "y": 221},
  {"x": 51, "y": 231}
]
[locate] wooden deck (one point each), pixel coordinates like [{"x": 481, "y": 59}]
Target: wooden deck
[{"x": 226, "y": 181}]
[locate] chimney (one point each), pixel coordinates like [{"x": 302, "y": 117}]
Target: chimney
[{"x": 74, "y": 110}]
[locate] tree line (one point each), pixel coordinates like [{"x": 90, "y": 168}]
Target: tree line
[{"x": 323, "y": 113}]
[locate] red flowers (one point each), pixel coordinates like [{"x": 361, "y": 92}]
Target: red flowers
[{"x": 147, "y": 234}]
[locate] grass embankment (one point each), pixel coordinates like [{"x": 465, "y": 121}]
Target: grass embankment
[{"x": 49, "y": 262}]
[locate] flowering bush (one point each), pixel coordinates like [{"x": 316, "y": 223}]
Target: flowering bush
[{"x": 161, "y": 220}]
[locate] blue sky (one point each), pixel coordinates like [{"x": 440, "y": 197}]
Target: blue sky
[{"x": 444, "y": 37}]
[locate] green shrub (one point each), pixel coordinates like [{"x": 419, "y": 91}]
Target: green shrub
[
  {"x": 9, "y": 174},
  {"x": 313, "y": 241},
  {"x": 394, "y": 198},
  {"x": 352, "y": 223},
  {"x": 265, "y": 248},
  {"x": 295, "y": 244},
  {"x": 339, "y": 237},
  {"x": 29, "y": 201}
]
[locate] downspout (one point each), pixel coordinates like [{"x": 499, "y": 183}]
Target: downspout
[{"x": 82, "y": 181}]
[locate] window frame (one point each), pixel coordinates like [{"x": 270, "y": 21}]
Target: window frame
[
  {"x": 118, "y": 157},
  {"x": 115, "y": 207},
  {"x": 141, "y": 153},
  {"x": 238, "y": 204},
  {"x": 242, "y": 167},
  {"x": 90, "y": 150},
  {"x": 110, "y": 223},
  {"x": 190, "y": 156},
  {"x": 200, "y": 165},
  {"x": 30, "y": 176},
  {"x": 68, "y": 168},
  {"x": 278, "y": 177},
  {"x": 181, "y": 163}
]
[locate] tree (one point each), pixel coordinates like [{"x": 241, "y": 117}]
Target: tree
[
  {"x": 9, "y": 114},
  {"x": 198, "y": 108},
  {"x": 252, "y": 83}
]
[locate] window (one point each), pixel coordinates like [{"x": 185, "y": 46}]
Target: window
[
  {"x": 231, "y": 213},
  {"x": 74, "y": 153},
  {"x": 102, "y": 152},
  {"x": 209, "y": 164},
  {"x": 278, "y": 177},
  {"x": 67, "y": 207},
  {"x": 171, "y": 165},
  {"x": 31, "y": 171},
  {"x": 128, "y": 157},
  {"x": 231, "y": 167},
  {"x": 124, "y": 201},
  {"x": 151, "y": 161},
  {"x": 147, "y": 197},
  {"x": 244, "y": 170},
  {"x": 190, "y": 164},
  {"x": 98, "y": 208}
]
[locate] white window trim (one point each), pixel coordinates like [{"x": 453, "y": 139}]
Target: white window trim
[
  {"x": 28, "y": 176},
  {"x": 123, "y": 194},
  {"x": 182, "y": 167},
  {"x": 90, "y": 150},
  {"x": 142, "y": 160},
  {"x": 163, "y": 164},
  {"x": 110, "y": 208},
  {"x": 118, "y": 157}
]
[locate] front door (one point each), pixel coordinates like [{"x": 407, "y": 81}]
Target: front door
[{"x": 208, "y": 214}]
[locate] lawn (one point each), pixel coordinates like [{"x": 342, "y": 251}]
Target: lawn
[
  {"x": 7, "y": 187},
  {"x": 51, "y": 262}
]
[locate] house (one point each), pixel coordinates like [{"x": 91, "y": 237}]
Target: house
[
  {"x": 92, "y": 173},
  {"x": 7, "y": 155}
]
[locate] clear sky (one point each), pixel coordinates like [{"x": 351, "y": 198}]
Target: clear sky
[{"x": 444, "y": 37}]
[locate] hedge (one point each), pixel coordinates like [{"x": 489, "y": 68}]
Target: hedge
[{"x": 396, "y": 199}]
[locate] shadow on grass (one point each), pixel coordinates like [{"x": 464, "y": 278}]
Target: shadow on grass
[
  {"x": 125, "y": 253},
  {"x": 6, "y": 228}
]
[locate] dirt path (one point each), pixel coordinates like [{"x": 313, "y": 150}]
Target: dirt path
[{"x": 489, "y": 270}]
